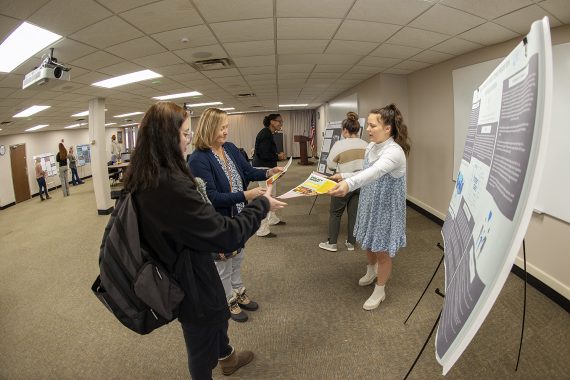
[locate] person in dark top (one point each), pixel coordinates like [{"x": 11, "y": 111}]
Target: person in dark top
[
  {"x": 61, "y": 158},
  {"x": 181, "y": 231},
  {"x": 226, "y": 174},
  {"x": 265, "y": 156}
]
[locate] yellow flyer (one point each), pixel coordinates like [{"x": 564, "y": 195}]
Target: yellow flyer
[{"x": 315, "y": 184}]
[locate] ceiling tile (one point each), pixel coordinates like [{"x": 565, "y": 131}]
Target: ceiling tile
[
  {"x": 488, "y": 9},
  {"x": 140, "y": 47},
  {"x": 258, "y": 70},
  {"x": 185, "y": 38},
  {"x": 108, "y": 32},
  {"x": 258, "y": 60},
  {"x": 295, "y": 68},
  {"x": 20, "y": 9},
  {"x": 354, "y": 30},
  {"x": 331, "y": 68},
  {"x": 411, "y": 65},
  {"x": 321, "y": 8},
  {"x": 395, "y": 51},
  {"x": 7, "y": 26},
  {"x": 306, "y": 28},
  {"x": 66, "y": 50},
  {"x": 96, "y": 60},
  {"x": 350, "y": 47},
  {"x": 182, "y": 68},
  {"x": 163, "y": 15},
  {"x": 520, "y": 21},
  {"x": 158, "y": 60},
  {"x": 301, "y": 47},
  {"x": 123, "y": 5},
  {"x": 559, "y": 8},
  {"x": 430, "y": 56},
  {"x": 456, "y": 21},
  {"x": 244, "y": 30},
  {"x": 201, "y": 52},
  {"x": 319, "y": 75},
  {"x": 361, "y": 70},
  {"x": 379, "y": 61},
  {"x": 90, "y": 78},
  {"x": 417, "y": 38},
  {"x": 65, "y": 17},
  {"x": 399, "y": 12},
  {"x": 221, "y": 73},
  {"x": 120, "y": 69},
  {"x": 456, "y": 46},
  {"x": 241, "y": 49},
  {"x": 318, "y": 58},
  {"x": 223, "y": 10},
  {"x": 488, "y": 34}
]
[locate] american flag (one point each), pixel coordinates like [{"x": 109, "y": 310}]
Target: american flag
[{"x": 312, "y": 133}]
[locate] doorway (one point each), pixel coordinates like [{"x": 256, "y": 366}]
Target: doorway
[{"x": 20, "y": 172}]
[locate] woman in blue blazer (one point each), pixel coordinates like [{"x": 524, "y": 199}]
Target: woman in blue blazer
[{"x": 227, "y": 175}]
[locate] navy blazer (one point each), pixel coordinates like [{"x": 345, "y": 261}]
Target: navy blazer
[{"x": 204, "y": 164}]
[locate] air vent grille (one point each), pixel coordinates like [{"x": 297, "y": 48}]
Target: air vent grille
[{"x": 213, "y": 64}]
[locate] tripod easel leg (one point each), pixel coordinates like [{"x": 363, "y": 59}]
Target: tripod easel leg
[{"x": 424, "y": 346}]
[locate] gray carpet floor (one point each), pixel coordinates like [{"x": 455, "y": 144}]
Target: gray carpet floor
[{"x": 310, "y": 325}]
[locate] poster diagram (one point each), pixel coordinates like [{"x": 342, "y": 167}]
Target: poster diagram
[
  {"x": 495, "y": 190},
  {"x": 333, "y": 133},
  {"x": 48, "y": 162},
  {"x": 83, "y": 154}
]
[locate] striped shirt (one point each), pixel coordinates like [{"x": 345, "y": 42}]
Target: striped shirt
[{"x": 347, "y": 155}]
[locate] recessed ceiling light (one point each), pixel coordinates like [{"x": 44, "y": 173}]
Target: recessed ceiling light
[
  {"x": 107, "y": 124},
  {"x": 129, "y": 124},
  {"x": 129, "y": 114},
  {"x": 202, "y": 104},
  {"x": 228, "y": 109},
  {"x": 293, "y": 105},
  {"x": 127, "y": 78},
  {"x": 30, "y": 111},
  {"x": 176, "y": 96},
  {"x": 74, "y": 125},
  {"x": 22, "y": 44},
  {"x": 36, "y": 127}
]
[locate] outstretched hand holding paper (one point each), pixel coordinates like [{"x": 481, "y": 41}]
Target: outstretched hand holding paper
[
  {"x": 314, "y": 185},
  {"x": 274, "y": 177}
]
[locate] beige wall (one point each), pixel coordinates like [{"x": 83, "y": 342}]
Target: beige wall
[{"x": 429, "y": 115}]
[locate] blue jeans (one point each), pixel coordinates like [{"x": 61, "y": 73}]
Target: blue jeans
[
  {"x": 42, "y": 185},
  {"x": 75, "y": 180}
]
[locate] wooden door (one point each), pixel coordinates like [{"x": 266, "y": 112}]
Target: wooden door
[{"x": 20, "y": 172}]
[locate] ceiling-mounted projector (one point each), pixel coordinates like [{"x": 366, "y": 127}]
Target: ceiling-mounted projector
[{"x": 48, "y": 70}]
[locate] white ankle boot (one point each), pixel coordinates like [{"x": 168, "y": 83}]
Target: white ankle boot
[
  {"x": 374, "y": 300},
  {"x": 370, "y": 275}
]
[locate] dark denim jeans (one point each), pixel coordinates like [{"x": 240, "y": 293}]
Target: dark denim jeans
[
  {"x": 75, "y": 180},
  {"x": 42, "y": 185}
]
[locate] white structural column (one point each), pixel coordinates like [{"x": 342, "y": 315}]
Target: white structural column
[{"x": 99, "y": 156}]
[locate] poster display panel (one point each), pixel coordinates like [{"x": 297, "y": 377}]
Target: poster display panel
[
  {"x": 48, "y": 163},
  {"x": 497, "y": 184},
  {"x": 83, "y": 154}
]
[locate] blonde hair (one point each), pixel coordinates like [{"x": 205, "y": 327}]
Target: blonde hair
[{"x": 207, "y": 128}]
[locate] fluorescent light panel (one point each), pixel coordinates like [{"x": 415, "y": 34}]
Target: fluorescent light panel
[
  {"x": 177, "y": 96},
  {"x": 30, "y": 111},
  {"x": 228, "y": 109},
  {"x": 74, "y": 125},
  {"x": 293, "y": 105},
  {"x": 22, "y": 44},
  {"x": 203, "y": 104},
  {"x": 129, "y": 124},
  {"x": 129, "y": 114},
  {"x": 84, "y": 113},
  {"x": 36, "y": 127},
  {"x": 121, "y": 80},
  {"x": 107, "y": 124}
]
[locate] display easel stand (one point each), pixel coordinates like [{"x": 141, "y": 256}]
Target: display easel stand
[
  {"x": 524, "y": 306},
  {"x": 313, "y": 205},
  {"x": 428, "y": 284}
]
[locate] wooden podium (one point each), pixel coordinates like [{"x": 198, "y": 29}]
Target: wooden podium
[{"x": 302, "y": 140}]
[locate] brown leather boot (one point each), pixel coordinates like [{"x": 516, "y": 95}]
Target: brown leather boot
[{"x": 235, "y": 361}]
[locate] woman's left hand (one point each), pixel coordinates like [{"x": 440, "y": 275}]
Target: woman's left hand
[
  {"x": 275, "y": 170},
  {"x": 340, "y": 190}
]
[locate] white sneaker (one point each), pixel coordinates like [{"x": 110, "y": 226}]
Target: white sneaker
[
  {"x": 376, "y": 298},
  {"x": 328, "y": 247},
  {"x": 349, "y": 246},
  {"x": 370, "y": 275}
]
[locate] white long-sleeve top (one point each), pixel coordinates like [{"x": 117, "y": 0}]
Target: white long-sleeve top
[{"x": 387, "y": 157}]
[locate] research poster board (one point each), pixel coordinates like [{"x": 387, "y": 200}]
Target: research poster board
[
  {"x": 83, "y": 154},
  {"x": 497, "y": 185},
  {"x": 333, "y": 134},
  {"x": 48, "y": 163}
]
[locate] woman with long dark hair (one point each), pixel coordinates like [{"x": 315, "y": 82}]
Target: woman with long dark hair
[
  {"x": 61, "y": 158},
  {"x": 181, "y": 230},
  {"x": 381, "y": 220}
]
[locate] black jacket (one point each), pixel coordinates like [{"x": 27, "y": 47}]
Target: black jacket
[
  {"x": 265, "y": 153},
  {"x": 182, "y": 230}
]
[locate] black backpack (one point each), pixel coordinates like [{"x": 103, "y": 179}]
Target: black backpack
[{"x": 132, "y": 285}]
